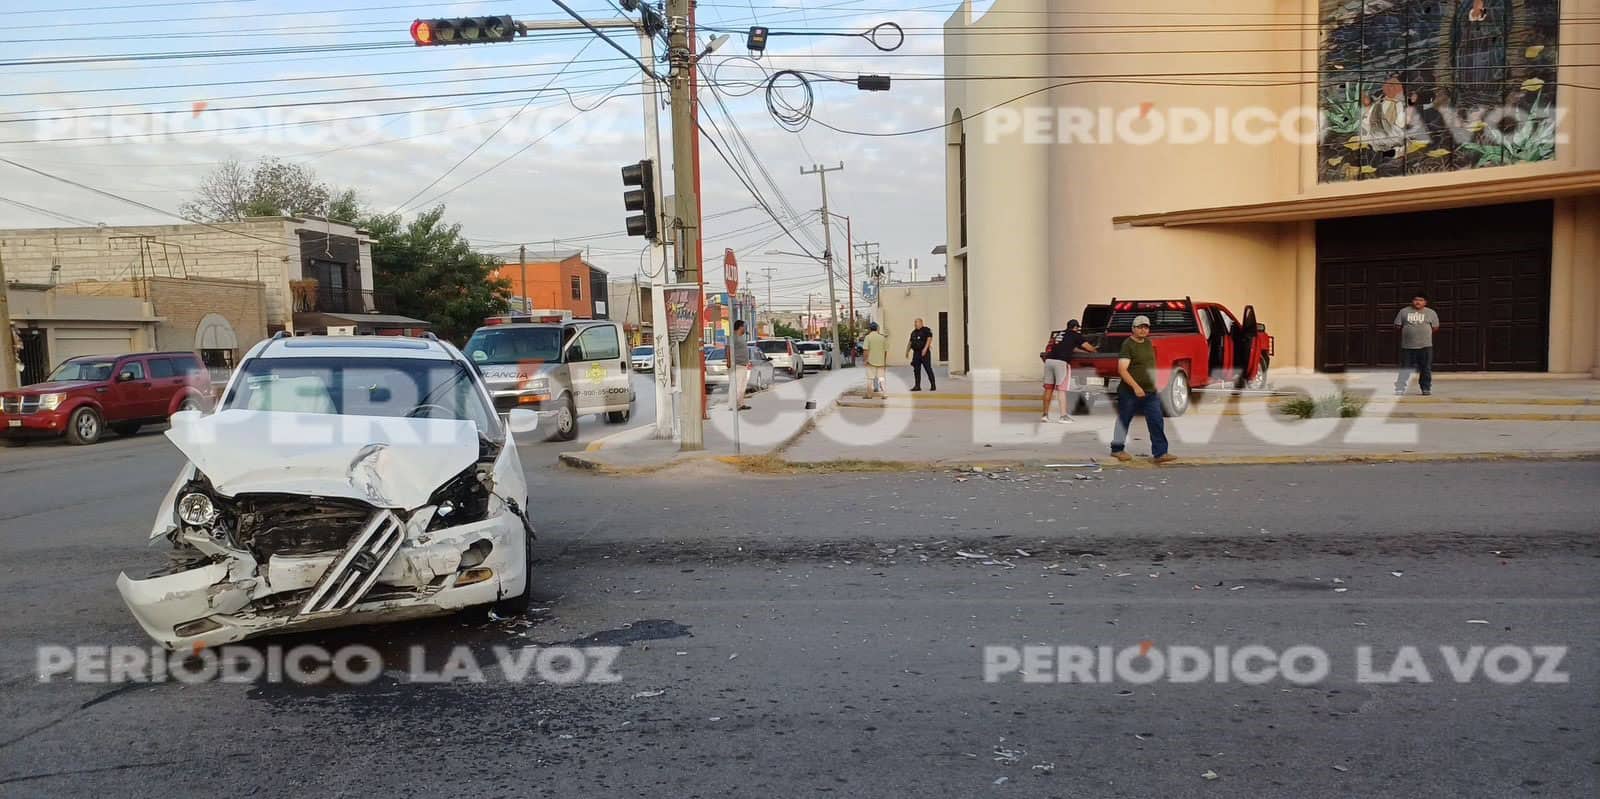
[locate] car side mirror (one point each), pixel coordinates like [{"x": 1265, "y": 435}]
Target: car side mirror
[
  {"x": 522, "y": 420},
  {"x": 125, "y": 376}
]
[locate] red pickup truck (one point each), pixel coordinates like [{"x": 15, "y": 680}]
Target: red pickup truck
[
  {"x": 84, "y": 396},
  {"x": 1198, "y": 344}
]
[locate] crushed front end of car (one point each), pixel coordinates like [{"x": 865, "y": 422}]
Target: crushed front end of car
[{"x": 286, "y": 522}]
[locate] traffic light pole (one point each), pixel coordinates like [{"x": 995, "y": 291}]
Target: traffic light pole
[
  {"x": 686, "y": 206},
  {"x": 827, "y": 244},
  {"x": 666, "y": 399}
]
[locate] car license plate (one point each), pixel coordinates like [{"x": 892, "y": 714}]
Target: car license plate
[{"x": 13, "y": 422}]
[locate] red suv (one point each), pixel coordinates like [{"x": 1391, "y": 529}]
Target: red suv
[{"x": 84, "y": 396}]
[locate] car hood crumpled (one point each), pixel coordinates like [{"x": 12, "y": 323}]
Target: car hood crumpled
[{"x": 386, "y": 461}]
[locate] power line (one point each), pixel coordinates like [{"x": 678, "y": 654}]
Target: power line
[{"x": 496, "y": 132}]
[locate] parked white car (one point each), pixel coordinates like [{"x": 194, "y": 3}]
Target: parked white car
[
  {"x": 784, "y": 356},
  {"x": 643, "y": 358},
  {"x": 815, "y": 354},
  {"x": 342, "y": 481},
  {"x": 759, "y": 366}
]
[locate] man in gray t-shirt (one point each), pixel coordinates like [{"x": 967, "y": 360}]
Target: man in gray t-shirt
[
  {"x": 1416, "y": 323},
  {"x": 738, "y": 361}
]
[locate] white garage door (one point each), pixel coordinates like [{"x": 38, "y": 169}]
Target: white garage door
[{"x": 73, "y": 343}]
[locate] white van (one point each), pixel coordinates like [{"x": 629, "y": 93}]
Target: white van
[{"x": 560, "y": 370}]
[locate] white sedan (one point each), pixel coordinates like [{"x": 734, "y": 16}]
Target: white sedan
[{"x": 758, "y": 365}]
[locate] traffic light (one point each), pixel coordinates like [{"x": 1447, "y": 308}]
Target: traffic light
[
  {"x": 463, "y": 30},
  {"x": 641, "y": 199}
]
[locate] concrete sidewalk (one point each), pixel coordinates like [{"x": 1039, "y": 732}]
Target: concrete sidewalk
[
  {"x": 777, "y": 417},
  {"x": 971, "y": 421}
]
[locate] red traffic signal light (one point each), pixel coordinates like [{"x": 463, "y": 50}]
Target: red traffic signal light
[{"x": 464, "y": 30}]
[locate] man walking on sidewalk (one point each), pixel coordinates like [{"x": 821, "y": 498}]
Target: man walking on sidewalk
[
  {"x": 875, "y": 347},
  {"x": 738, "y": 366},
  {"x": 919, "y": 349},
  {"x": 1058, "y": 368},
  {"x": 1416, "y": 323},
  {"x": 1136, "y": 364}
]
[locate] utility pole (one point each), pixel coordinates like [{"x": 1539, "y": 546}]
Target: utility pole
[
  {"x": 661, "y": 344},
  {"x": 827, "y": 244},
  {"x": 680, "y": 54},
  {"x": 768, "y": 270},
  {"x": 8, "y": 347},
  {"x": 850, "y": 283},
  {"x": 522, "y": 260}
]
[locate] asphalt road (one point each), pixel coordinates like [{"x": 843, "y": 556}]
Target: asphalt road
[{"x": 824, "y": 635}]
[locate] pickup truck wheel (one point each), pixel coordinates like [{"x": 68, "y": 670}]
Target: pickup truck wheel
[
  {"x": 1175, "y": 397},
  {"x": 126, "y": 429},
  {"x": 566, "y": 421},
  {"x": 619, "y": 417},
  {"x": 84, "y": 427},
  {"x": 1259, "y": 381},
  {"x": 188, "y": 404}
]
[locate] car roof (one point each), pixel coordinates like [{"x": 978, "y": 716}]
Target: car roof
[
  {"x": 354, "y": 347},
  {"x": 128, "y": 355}
]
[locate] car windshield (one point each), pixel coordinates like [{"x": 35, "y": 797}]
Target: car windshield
[
  {"x": 640, "y": 352},
  {"x": 503, "y": 345},
  {"x": 773, "y": 347},
  {"x": 82, "y": 370},
  {"x": 716, "y": 354},
  {"x": 428, "y": 389}
]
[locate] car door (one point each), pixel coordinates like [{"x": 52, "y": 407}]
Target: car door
[
  {"x": 168, "y": 377},
  {"x": 131, "y": 398},
  {"x": 598, "y": 369}
]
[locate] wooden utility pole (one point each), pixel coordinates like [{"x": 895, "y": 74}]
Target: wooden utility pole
[
  {"x": 522, "y": 259},
  {"x": 686, "y": 185}
]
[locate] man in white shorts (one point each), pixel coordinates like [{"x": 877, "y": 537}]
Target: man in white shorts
[{"x": 1058, "y": 368}]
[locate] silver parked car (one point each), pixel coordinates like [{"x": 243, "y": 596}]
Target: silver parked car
[
  {"x": 759, "y": 365},
  {"x": 815, "y": 354},
  {"x": 643, "y": 358}
]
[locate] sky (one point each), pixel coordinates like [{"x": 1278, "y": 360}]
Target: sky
[{"x": 104, "y": 92}]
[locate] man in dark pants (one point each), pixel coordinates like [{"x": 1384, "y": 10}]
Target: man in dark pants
[
  {"x": 1416, "y": 323},
  {"x": 920, "y": 349},
  {"x": 1137, "y": 394}
]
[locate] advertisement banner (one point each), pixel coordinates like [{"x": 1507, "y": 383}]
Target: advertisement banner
[{"x": 683, "y": 310}]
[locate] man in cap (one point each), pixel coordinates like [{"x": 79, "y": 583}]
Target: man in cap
[
  {"x": 1058, "y": 368},
  {"x": 1137, "y": 394},
  {"x": 876, "y": 349}
]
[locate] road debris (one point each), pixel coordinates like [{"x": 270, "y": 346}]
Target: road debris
[
  {"x": 647, "y": 694},
  {"x": 1477, "y": 621},
  {"x": 1045, "y": 768},
  {"x": 1337, "y": 767},
  {"x": 1210, "y": 775}
]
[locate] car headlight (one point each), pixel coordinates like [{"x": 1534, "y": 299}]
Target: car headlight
[
  {"x": 50, "y": 402},
  {"x": 196, "y": 509},
  {"x": 538, "y": 385}
]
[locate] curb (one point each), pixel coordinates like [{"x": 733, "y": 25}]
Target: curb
[
  {"x": 1463, "y": 416},
  {"x": 852, "y": 466},
  {"x": 631, "y": 434}
]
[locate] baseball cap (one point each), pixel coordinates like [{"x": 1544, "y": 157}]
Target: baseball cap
[{"x": 1141, "y": 320}]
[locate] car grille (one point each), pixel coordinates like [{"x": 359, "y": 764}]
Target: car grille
[
  {"x": 19, "y": 405},
  {"x": 293, "y": 525}
]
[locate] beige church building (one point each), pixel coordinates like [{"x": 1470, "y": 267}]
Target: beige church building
[{"x": 1321, "y": 161}]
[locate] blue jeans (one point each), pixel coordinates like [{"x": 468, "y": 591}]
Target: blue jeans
[
  {"x": 1129, "y": 405},
  {"x": 1419, "y": 359}
]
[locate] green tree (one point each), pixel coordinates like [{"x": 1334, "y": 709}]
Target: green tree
[
  {"x": 434, "y": 273},
  {"x": 781, "y": 330}
]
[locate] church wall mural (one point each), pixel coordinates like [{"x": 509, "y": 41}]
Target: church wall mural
[{"x": 1419, "y": 86}]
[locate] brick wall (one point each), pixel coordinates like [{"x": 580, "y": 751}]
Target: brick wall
[
  {"x": 264, "y": 250},
  {"x": 183, "y": 303}
]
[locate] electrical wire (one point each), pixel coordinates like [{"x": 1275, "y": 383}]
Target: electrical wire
[{"x": 496, "y": 132}]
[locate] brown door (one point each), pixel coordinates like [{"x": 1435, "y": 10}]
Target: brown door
[{"x": 1485, "y": 271}]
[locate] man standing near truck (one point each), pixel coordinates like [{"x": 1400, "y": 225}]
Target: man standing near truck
[
  {"x": 1137, "y": 394},
  {"x": 1058, "y": 368},
  {"x": 1416, "y": 323}
]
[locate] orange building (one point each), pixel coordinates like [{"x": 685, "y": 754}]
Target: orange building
[{"x": 562, "y": 280}]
